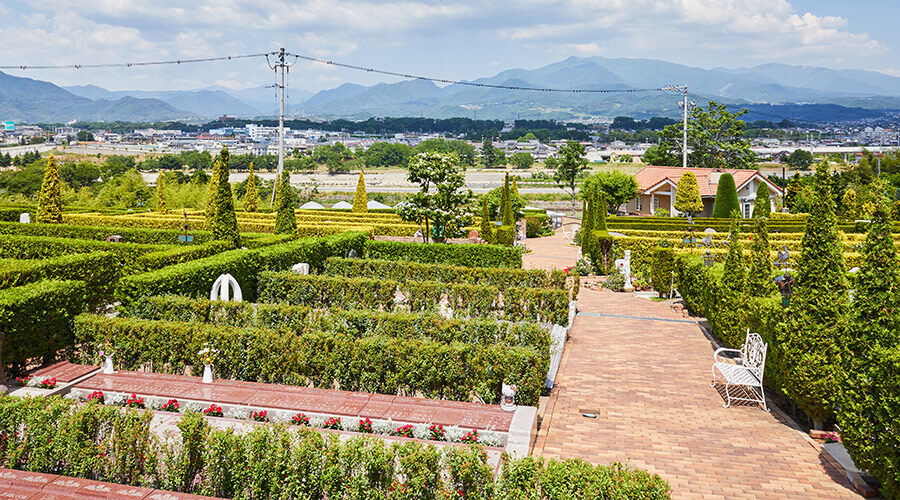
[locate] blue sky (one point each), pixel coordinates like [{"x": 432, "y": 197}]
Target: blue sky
[{"x": 454, "y": 40}]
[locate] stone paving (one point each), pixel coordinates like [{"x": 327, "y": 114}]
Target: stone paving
[
  {"x": 647, "y": 382},
  {"x": 551, "y": 252},
  {"x": 24, "y": 485}
]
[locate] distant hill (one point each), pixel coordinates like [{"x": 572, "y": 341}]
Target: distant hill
[{"x": 205, "y": 103}]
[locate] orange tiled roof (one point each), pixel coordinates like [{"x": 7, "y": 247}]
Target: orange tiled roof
[{"x": 707, "y": 178}]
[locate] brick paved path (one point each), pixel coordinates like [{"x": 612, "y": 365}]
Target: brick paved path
[
  {"x": 648, "y": 383},
  {"x": 550, "y": 252}
]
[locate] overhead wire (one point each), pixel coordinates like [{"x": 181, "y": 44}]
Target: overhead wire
[{"x": 132, "y": 64}]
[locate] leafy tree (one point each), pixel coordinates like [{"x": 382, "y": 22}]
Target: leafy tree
[
  {"x": 463, "y": 149},
  {"x": 26, "y": 181},
  {"x": 660, "y": 155},
  {"x": 494, "y": 201},
  {"x": 385, "y": 154},
  {"x": 224, "y": 221},
  {"x": 488, "y": 153},
  {"x": 726, "y": 197},
  {"x": 792, "y": 191},
  {"x": 715, "y": 139},
  {"x": 116, "y": 165},
  {"x": 687, "y": 196},
  {"x": 759, "y": 281},
  {"x": 617, "y": 188},
  {"x": 161, "y": 205},
  {"x": 763, "y": 205},
  {"x": 49, "y": 208},
  {"x": 625, "y": 159},
  {"x": 868, "y": 401},
  {"x": 551, "y": 163},
  {"x": 84, "y": 136},
  {"x": 849, "y": 203},
  {"x": 440, "y": 204},
  {"x": 522, "y": 160},
  {"x": 360, "y": 199},
  {"x": 799, "y": 159},
  {"x": 810, "y": 338},
  {"x": 285, "y": 219},
  {"x": 251, "y": 196},
  {"x": 79, "y": 175},
  {"x": 572, "y": 162}
]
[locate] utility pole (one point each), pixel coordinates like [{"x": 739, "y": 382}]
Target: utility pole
[
  {"x": 683, "y": 90},
  {"x": 281, "y": 66}
]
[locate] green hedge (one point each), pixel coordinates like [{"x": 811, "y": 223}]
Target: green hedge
[
  {"x": 44, "y": 247},
  {"x": 129, "y": 235},
  {"x": 359, "y": 323},
  {"x": 446, "y": 253},
  {"x": 406, "y": 271},
  {"x": 37, "y": 318},
  {"x": 177, "y": 255},
  {"x": 100, "y": 270},
  {"x": 55, "y": 435},
  {"x": 377, "y": 363},
  {"x": 518, "y": 304},
  {"x": 195, "y": 278}
]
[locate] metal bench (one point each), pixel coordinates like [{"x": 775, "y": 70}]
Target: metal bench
[{"x": 749, "y": 373}]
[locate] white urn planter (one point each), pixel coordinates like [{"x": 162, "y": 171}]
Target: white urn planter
[
  {"x": 207, "y": 374},
  {"x": 108, "y": 364}
]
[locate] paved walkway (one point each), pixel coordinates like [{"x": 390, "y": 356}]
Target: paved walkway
[
  {"x": 647, "y": 382},
  {"x": 551, "y": 252}
]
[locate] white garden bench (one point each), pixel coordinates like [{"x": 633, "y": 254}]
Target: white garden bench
[{"x": 749, "y": 373}]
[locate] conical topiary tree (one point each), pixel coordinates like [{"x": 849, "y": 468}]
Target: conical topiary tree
[
  {"x": 507, "y": 216},
  {"x": 224, "y": 220},
  {"x": 587, "y": 224},
  {"x": 487, "y": 227},
  {"x": 514, "y": 189},
  {"x": 286, "y": 219},
  {"x": 161, "y": 205},
  {"x": 735, "y": 275},
  {"x": 759, "y": 281},
  {"x": 251, "y": 196},
  {"x": 811, "y": 337},
  {"x": 276, "y": 188},
  {"x": 728, "y": 311},
  {"x": 763, "y": 205},
  {"x": 360, "y": 199},
  {"x": 869, "y": 406},
  {"x": 49, "y": 209},
  {"x": 599, "y": 211},
  {"x": 687, "y": 197},
  {"x": 726, "y": 198},
  {"x": 214, "y": 184}
]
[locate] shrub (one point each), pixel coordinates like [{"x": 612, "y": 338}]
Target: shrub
[
  {"x": 50, "y": 202},
  {"x": 128, "y": 234},
  {"x": 763, "y": 205},
  {"x": 161, "y": 205},
  {"x": 177, "y": 255},
  {"x": 223, "y": 221},
  {"x": 687, "y": 195},
  {"x": 506, "y": 235},
  {"x": 360, "y": 200},
  {"x": 444, "y": 253},
  {"x": 99, "y": 270},
  {"x": 251, "y": 196},
  {"x": 759, "y": 280},
  {"x": 37, "y": 317},
  {"x": 285, "y": 221},
  {"x": 47, "y": 247},
  {"x": 726, "y": 197},
  {"x": 662, "y": 270},
  {"x": 487, "y": 227}
]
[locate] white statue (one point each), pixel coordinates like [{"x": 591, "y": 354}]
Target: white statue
[
  {"x": 220, "y": 289},
  {"x": 301, "y": 268},
  {"x": 508, "y": 402},
  {"x": 25, "y": 218}
]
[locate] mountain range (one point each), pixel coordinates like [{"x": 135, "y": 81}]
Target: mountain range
[{"x": 769, "y": 91}]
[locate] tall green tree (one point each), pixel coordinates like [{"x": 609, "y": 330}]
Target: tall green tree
[
  {"x": 49, "y": 209},
  {"x": 793, "y": 190},
  {"x": 441, "y": 203},
  {"x": 734, "y": 278},
  {"x": 800, "y": 159},
  {"x": 360, "y": 200},
  {"x": 224, "y": 221},
  {"x": 220, "y": 163},
  {"x": 715, "y": 139},
  {"x": 759, "y": 281},
  {"x": 522, "y": 160},
  {"x": 617, "y": 188},
  {"x": 251, "y": 197},
  {"x": 811, "y": 337},
  {"x": 726, "y": 197},
  {"x": 587, "y": 223},
  {"x": 763, "y": 205},
  {"x": 571, "y": 163},
  {"x": 507, "y": 218},
  {"x": 489, "y": 155},
  {"x": 687, "y": 197},
  {"x": 285, "y": 219},
  {"x": 870, "y": 395},
  {"x": 487, "y": 227},
  {"x": 161, "y": 205}
]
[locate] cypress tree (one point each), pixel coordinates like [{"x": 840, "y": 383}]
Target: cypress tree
[
  {"x": 759, "y": 281},
  {"x": 224, "y": 220},
  {"x": 763, "y": 205},
  {"x": 599, "y": 211},
  {"x": 587, "y": 224},
  {"x": 507, "y": 216},
  {"x": 515, "y": 187},
  {"x": 726, "y": 198},
  {"x": 487, "y": 227},
  {"x": 869, "y": 403},
  {"x": 277, "y": 188},
  {"x": 360, "y": 199},
  {"x": 811, "y": 337},
  {"x": 161, "y": 205},
  {"x": 687, "y": 196},
  {"x": 49, "y": 209},
  {"x": 213, "y": 188},
  {"x": 734, "y": 276},
  {"x": 251, "y": 197},
  {"x": 286, "y": 219}
]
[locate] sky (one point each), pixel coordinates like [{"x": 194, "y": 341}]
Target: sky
[{"x": 453, "y": 40}]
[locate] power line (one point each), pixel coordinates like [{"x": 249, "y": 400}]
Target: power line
[
  {"x": 141, "y": 63},
  {"x": 462, "y": 82}
]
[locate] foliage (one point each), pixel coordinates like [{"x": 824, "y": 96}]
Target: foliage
[
  {"x": 572, "y": 162},
  {"x": 715, "y": 139},
  {"x": 49, "y": 201},
  {"x": 491, "y": 156},
  {"x": 812, "y": 334},
  {"x": 522, "y": 160},
  {"x": 726, "y": 197},
  {"x": 617, "y": 188},
  {"x": 386, "y": 154},
  {"x": 223, "y": 221},
  {"x": 161, "y": 205},
  {"x": 443, "y": 211},
  {"x": 99, "y": 270},
  {"x": 359, "y": 199},
  {"x": 687, "y": 196},
  {"x": 494, "y": 199},
  {"x": 800, "y": 159},
  {"x": 662, "y": 270},
  {"x": 734, "y": 278},
  {"x": 507, "y": 214},
  {"x": 487, "y": 227},
  {"x": 660, "y": 156},
  {"x": 457, "y": 255},
  {"x": 286, "y": 220},
  {"x": 251, "y": 196},
  {"x": 759, "y": 279},
  {"x": 763, "y": 205}
]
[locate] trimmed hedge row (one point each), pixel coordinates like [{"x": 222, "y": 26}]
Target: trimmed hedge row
[
  {"x": 359, "y": 323},
  {"x": 473, "y": 301},
  {"x": 407, "y": 271},
  {"x": 445, "y": 253},
  {"x": 195, "y": 278},
  {"x": 101, "y": 442},
  {"x": 100, "y": 270},
  {"x": 37, "y": 317},
  {"x": 177, "y": 255},
  {"x": 44, "y": 247},
  {"x": 377, "y": 363},
  {"x": 777, "y": 225}
]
